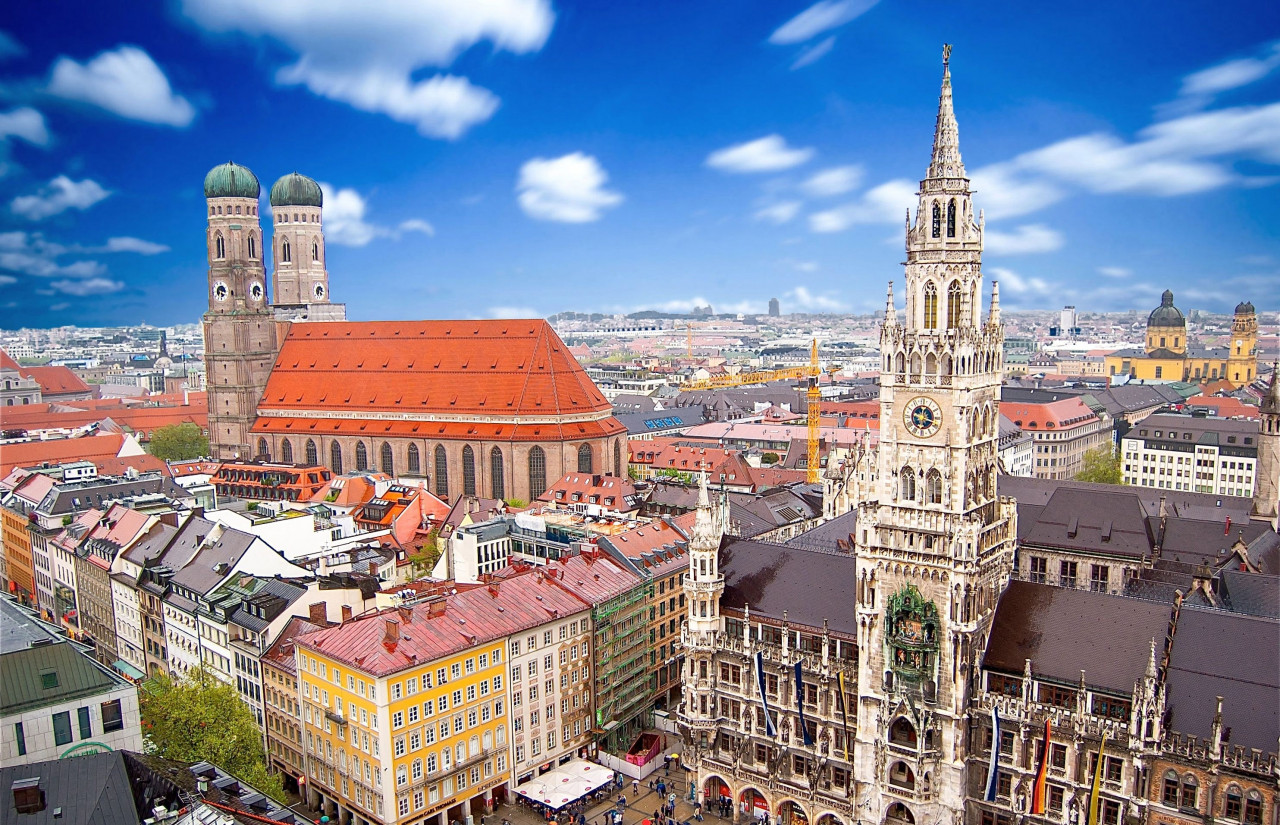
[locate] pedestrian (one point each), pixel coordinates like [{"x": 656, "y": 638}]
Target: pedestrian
[
  {"x": 650, "y": 784},
  {"x": 635, "y": 786}
]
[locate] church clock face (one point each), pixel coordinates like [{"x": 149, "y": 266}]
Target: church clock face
[
  {"x": 220, "y": 290},
  {"x": 319, "y": 290},
  {"x": 923, "y": 417},
  {"x": 255, "y": 291}
]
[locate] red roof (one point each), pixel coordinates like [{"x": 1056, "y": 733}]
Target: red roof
[
  {"x": 56, "y": 380},
  {"x": 608, "y": 491},
  {"x": 1063, "y": 414},
  {"x": 141, "y": 419},
  {"x": 1226, "y": 406},
  {"x": 460, "y": 369},
  {"x": 60, "y": 451}
]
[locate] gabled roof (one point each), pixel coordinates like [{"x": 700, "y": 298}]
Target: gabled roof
[
  {"x": 88, "y": 790},
  {"x": 56, "y": 381},
  {"x": 61, "y": 450},
  {"x": 809, "y": 586}
]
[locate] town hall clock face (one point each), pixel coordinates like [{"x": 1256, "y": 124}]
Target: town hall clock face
[{"x": 923, "y": 417}]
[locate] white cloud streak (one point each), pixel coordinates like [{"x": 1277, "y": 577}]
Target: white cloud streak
[
  {"x": 822, "y": 16},
  {"x": 567, "y": 189},
  {"x": 834, "y": 181},
  {"x": 26, "y": 123},
  {"x": 125, "y": 82},
  {"x": 779, "y": 213},
  {"x": 767, "y": 154},
  {"x": 88, "y": 286},
  {"x": 886, "y": 203},
  {"x": 345, "y": 224},
  {"x": 138, "y": 245},
  {"x": 814, "y": 53},
  {"x": 1115, "y": 271},
  {"x": 1025, "y": 240},
  {"x": 58, "y": 196}
]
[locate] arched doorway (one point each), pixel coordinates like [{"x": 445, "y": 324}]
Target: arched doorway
[
  {"x": 830, "y": 819},
  {"x": 717, "y": 797},
  {"x": 753, "y": 806},
  {"x": 791, "y": 812},
  {"x": 899, "y": 814}
]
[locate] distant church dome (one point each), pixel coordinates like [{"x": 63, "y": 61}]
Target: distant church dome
[
  {"x": 1245, "y": 308},
  {"x": 231, "y": 180},
  {"x": 296, "y": 190},
  {"x": 1166, "y": 315}
]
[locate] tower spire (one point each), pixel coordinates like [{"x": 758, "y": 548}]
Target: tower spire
[
  {"x": 946, "y": 162},
  {"x": 890, "y": 311}
]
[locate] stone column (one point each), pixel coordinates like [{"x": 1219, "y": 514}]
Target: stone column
[{"x": 488, "y": 801}]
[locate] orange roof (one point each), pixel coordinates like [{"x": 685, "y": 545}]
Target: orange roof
[
  {"x": 607, "y": 490},
  {"x": 1063, "y": 414},
  {"x": 144, "y": 463},
  {"x": 142, "y": 419},
  {"x": 7, "y": 362},
  {"x": 461, "y": 369},
  {"x": 56, "y": 380},
  {"x": 59, "y": 451},
  {"x": 653, "y": 536},
  {"x": 442, "y": 430},
  {"x": 1226, "y": 406}
]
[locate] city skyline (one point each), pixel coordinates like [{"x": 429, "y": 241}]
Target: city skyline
[{"x": 554, "y": 161}]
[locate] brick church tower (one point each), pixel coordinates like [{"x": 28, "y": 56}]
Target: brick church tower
[{"x": 239, "y": 328}]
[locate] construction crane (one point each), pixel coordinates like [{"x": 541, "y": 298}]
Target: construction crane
[{"x": 809, "y": 372}]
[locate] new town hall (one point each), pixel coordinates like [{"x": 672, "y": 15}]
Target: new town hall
[{"x": 872, "y": 669}]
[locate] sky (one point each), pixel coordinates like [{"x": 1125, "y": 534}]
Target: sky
[{"x": 524, "y": 157}]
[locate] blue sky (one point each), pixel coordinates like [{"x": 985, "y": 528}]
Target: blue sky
[{"x": 522, "y": 157}]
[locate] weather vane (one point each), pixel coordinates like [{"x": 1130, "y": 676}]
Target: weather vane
[{"x": 946, "y": 54}]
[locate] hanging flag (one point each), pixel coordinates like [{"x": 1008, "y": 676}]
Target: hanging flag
[
  {"x": 992, "y": 769},
  {"x": 769, "y": 729},
  {"x": 844, "y": 714},
  {"x": 1041, "y": 789},
  {"x": 1095, "y": 793},
  {"x": 804, "y": 729}
]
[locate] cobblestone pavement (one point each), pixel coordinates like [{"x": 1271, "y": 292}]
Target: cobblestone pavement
[{"x": 639, "y": 807}]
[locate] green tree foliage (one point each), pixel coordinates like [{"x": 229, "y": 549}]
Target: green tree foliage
[
  {"x": 424, "y": 561},
  {"x": 179, "y": 442},
  {"x": 1101, "y": 465},
  {"x": 201, "y": 718},
  {"x": 769, "y": 459}
]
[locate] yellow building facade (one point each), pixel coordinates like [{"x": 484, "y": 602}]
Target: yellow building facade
[{"x": 1167, "y": 355}]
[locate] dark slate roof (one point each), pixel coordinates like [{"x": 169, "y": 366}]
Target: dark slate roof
[
  {"x": 1112, "y": 524},
  {"x": 1051, "y": 626},
  {"x": 661, "y": 421},
  {"x": 194, "y": 559},
  {"x": 152, "y": 544},
  {"x": 811, "y": 586},
  {"x": 1253, "y": 594},
  {"x": 1232, "y": 656},
  {"x": 834, "y": 536},
  {"x": 75, "y": 496},
  {"x": 1191, "y": 541},
  {"x": 87, "y": 790},
  {"x": 1180, "y": 504}
]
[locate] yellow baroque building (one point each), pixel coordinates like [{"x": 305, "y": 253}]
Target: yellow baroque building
[{"x": 1168, "y": 357}]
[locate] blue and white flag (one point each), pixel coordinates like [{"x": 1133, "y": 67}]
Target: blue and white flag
[
  {"x": 804, "y": 729},
  {"x": 992, "y": 772},
  {"x": 770, "y": 730}
]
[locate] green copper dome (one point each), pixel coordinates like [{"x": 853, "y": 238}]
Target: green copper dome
[
  {"x": 1166, "y": 315},
  {"x": 296, "y": 190},
  {"x": 231, "y": 180}
]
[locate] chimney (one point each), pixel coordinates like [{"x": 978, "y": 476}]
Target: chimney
[
  {"x": 28, "y": 797},
  {"x": 391, "y": 635},
  {"x": 373, "y": 568},
  {"x": 346, "y": 613},
  {"x": 406, "y": 613},
  {"x": 437, "y": 608},
  {"x": 318, "y": 613}
]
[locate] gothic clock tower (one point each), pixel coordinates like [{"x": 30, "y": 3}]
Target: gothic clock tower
[
  {"x": 935, "y": 549},
  {"x": 239, "y": 328}
]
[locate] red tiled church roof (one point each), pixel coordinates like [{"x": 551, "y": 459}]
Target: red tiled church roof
[
  {"x": 56, "y": 381},
  {"x": 487, "y": 369}
]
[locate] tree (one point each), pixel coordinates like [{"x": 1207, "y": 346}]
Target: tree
[
  {"x": 769, "y": 459},
  {"x": 200, "y": 718},
  {"x": 424, "y": 560},
  {"x": 179, "y": 442},
  {"x": 1101, "y": 465}
]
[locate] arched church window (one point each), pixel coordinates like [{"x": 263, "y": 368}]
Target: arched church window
[
  {"x": 951, "y": 219},
  {"x": 220, "y": 247},
  {"x": 930, "y": 306},
  {"x": 286, "y": 451},
  {"x": 497, "y": 474},
  {"x": 537, "y": 473},
  {"x": 315, "y": 250},
  {"x": 313, "y": 457},
  {"x": 468, "y": 471},
  {"x": 908, "y": 476},
  {"x": 262, "y": 449},
  {"x": 253, "y": 248},
  {"x": 617, "y": 458},
  {"x": 937, "y": 220},
  {"x": 934, "y": 487},
  {"x": 953, "y": 305},
  {"x": 286, "y": 255},
  {"x": 362, "y": 457},
  {"x": 237, "y": 210},
  {"x": 388, "y": 460},
  {"x": 415, "y": 461},
  {"x": 335, "y": 457},
  {"x": 584, "y": 459},
  {"x": 442, "y": 472}
]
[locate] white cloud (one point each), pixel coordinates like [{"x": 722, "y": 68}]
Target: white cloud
[
  {"x": 88, "y": 286},
  {"x": 778, "y": 213},
  {"x": 59, "y": 195},
  {"x": 1011, "y": 281},
  {"x": 367, "y": 54},
  {"x": 1005, "y": 192},
  {"x": 814, "y": 53},
  {"x": 802, "y": 300},
  {"x": 345, "y": 224},
  {"x": 568, "y": 189},
  {"x": 834, "y": 181},
  {"x": 1115, "y": 271},
  {"x": 514, "y": 312},
  {"x": 886, "y": 203},
  {"x": 29, "y": 254},
  {"x": 126, "y": 244},
  {"x": 1199, "y": 88},
  {"x": 6, "y": 280},
  {"x": 10, "y": 48},
  {"x": 26, "y": 123},
  {"x": 125, "y": 82},
  {"x": 1026, "y": 240},
  {"x": 766, "y": 154},
  {"x": 818, "y": 18}
]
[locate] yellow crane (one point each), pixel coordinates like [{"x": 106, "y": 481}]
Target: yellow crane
[{"x": 810, "y": 372}]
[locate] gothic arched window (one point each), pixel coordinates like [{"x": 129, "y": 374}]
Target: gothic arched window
[
  {"x": 415, "y": 463},
  {"x": 468, "y": 471},
  {"x": 537, "y": 473},
  {"x": 286, "y": 452},
  {"x": 908, "y": 484},
  {"x": 951, "y": 219},
  {"x": 315, "y": 250},
  {"x": 388, "y": 461},
  {"x": 953, "y": 305},
  {"x": 362, "y": 457},
  {"x": 220, "y": 247},
  {"x": 442, "y": 472},
  {"x": 617, "y": 458},
  {"x": 930, "y": 306},
  {"x": 335, "y": 457},
  {"x": 584, "y": 459},
  {"x": 253, "y": 248},
  {"x": 933, "y": 485},
  {"x": 497, "y": 476},
  {"x": 286, "y": 255},
  {"x": 937, "y": 220},
  {"x": 262, "y": 448},
  {"x": 313, "y": 457}
]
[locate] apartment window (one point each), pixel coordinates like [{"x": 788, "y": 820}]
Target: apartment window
[
  {"x": 1235, "y": 804},
  {"x": 62, "y": 728},
  {"x": 1039, "y": 569},
  {"x": 1057, "y": 696},
  {"x": 86, "y": 724},
  {"x": 1253, "y": 809},
  {"x": 1067, "y": 574},
  {"x": 21, "y": 737},
  {"x": 1098, "y": 575}
]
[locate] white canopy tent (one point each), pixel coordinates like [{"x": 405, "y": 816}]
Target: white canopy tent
[{"x": 566, "y": 783}]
